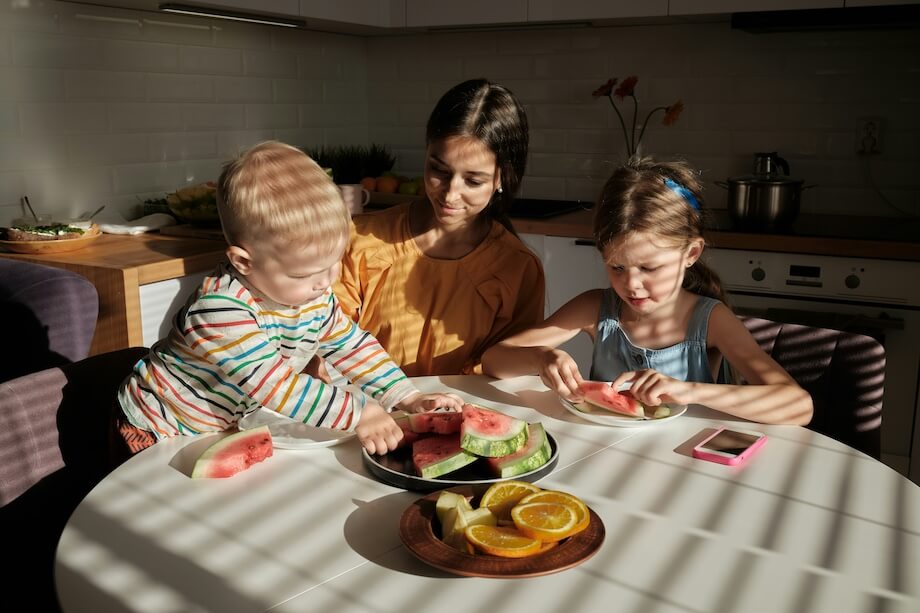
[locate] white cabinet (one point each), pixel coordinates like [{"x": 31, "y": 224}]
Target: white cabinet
[
  {"x": 571, "y": 266},
  {"x": 706, "y": 7},
  {"x": 568, "y": 10},
  {"x": 160, "y": 301},
  {"x": 852, "y": 3},
  {"x": 422, "y": 13},
  {"x": 377, "y": 13},
  {"x": 277, "y": 7}
]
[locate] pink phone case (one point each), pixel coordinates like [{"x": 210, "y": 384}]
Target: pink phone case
[{"x": 726, "y": 458}]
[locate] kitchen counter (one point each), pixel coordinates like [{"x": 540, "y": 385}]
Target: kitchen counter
[
  {"x": 803, "y": 238},
  {"x": 118, "y": 265}
]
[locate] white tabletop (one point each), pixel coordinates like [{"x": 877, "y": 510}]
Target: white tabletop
[{"x": 807, "y": 525}]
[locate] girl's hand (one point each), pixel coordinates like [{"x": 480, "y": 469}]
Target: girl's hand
[
  {"x": 559, "y": 372},
  {"x": 421, "y": 403},
  {"x": 377, "y": 431},
  {"x": 652, "y": 388}
]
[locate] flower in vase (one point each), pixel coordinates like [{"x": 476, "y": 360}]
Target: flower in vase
[{"x": 627, "y": 89}]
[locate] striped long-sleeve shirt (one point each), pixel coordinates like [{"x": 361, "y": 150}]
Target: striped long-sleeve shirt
[{"x": 230, "y": 353}]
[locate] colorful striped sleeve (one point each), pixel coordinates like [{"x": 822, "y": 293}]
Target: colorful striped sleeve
[
  {"x": 361, "y": 359},
  {"x": 244, "y": 359}
]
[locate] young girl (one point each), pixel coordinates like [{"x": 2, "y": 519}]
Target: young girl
[{"x": 662, "y": 325}]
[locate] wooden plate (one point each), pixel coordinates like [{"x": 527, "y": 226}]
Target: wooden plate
[
  {"x": 419, "y": 531},
  {"x": 52, "y": 246}
]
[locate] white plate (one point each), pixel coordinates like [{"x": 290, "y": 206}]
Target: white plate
[
  {"x": 606, "y": 418},
  {"x": 290, "y": 434}
]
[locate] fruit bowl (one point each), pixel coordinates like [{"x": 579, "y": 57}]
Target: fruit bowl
[
  {"x": 420, "y": 531},
  {"x": 196, "y": 204}
]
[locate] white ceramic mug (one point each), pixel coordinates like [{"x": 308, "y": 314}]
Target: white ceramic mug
[{"x": 355, "y": 197}]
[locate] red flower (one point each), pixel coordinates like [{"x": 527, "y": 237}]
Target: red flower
[
  {"x": 605, "y": 89},
  {"x": 627, "y": 87},
  {"x": 672, "y": 113}
]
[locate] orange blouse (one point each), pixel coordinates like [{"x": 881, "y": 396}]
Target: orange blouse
[{"x": 437, "y": 316}]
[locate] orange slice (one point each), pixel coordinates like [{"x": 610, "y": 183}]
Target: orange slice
[
  {"x": 544, "y": 521},
  {"x": 583, "y": 516},
  {"x": 503, "y": 542},
  {"x": 501, "y": 496}
]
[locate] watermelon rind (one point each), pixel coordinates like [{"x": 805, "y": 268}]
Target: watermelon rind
[
  {"x": 535, "y": 453},
  {"x": 234, "y": 453},
  {"x": 491, "y": 434},
  {"x": 450, "y": 461}
]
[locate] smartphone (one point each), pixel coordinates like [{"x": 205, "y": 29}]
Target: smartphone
[{"x": 727, "y": 446}]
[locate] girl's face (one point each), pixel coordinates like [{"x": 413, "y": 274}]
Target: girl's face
[
  {"x": 645, "y": 272},
  {"x": 288, "y": 275},
  {"x": 461, "y": 174}
]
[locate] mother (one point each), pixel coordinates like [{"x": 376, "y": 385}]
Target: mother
[{"x": 441, "y": 279}]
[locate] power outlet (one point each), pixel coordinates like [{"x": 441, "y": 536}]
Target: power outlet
[{"x": 868, "y": 135}]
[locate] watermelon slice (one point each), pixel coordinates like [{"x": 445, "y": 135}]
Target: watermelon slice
[
  {"x": 439, "y": 422},
  {"x": 409, "y": 436},
  {"x": 602, "y": 395},
  {"x": 491, "y": 434},
  {"x": 438, "y": 455},
  {"x": 234, "y": 453},
  {"x": 535, "y": 453}
]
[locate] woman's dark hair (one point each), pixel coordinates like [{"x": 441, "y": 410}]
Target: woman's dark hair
[
  {"x": 491, "y": 114},
  {"x": 660, "y": 198}
]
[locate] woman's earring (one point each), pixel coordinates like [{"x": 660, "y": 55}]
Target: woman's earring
[{"x": 499, "y": 189}]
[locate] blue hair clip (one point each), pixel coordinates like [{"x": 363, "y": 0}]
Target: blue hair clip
[{"x": 683, "y": 192}]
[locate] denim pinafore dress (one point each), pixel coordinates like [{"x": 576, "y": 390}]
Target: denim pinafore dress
[{"x": 614, "y": 353}]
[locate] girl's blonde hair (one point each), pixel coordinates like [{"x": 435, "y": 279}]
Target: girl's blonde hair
[
  {"x": 275, "y": 191},
  {"x": 659, "y": 198}
]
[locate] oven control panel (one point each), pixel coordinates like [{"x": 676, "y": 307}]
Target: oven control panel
[{"x": 829, "y": 277}]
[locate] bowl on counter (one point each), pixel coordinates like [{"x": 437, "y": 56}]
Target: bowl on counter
[{"x": 195, "y": 204}]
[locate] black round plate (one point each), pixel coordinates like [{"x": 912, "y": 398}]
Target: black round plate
[{"x": 396, "y": 469}]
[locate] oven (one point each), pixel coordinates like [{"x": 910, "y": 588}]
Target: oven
[{"x": 878, "y": 298}]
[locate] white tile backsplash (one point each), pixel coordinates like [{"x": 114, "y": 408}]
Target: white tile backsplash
[{"x": 99, "y": 103}]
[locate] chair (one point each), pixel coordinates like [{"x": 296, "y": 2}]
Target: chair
[
  {"x": 54, "y": 428},
  {"x": 50, "y": 314},
  {"x": 844, "y": 373}
]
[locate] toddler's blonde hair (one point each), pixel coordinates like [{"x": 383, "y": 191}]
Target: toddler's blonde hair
[{"x": 274, "y": 191}]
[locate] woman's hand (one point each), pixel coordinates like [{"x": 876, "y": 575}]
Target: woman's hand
[
  {"x": 421, "y": 403},
  {"x": 652, "y": 388},
  {"x": 377, "y": 431},
  {"x": 559, "y": 372}
]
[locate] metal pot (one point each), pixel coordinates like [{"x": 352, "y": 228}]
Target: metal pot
[{"x": 765, "y": 200}]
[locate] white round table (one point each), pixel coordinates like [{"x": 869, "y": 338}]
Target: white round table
[{"x": 807, "y": 525}]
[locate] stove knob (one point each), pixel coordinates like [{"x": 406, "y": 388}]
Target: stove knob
[
  {"x": 852, "y": 281},
  {"x": 758, "y": 274}
]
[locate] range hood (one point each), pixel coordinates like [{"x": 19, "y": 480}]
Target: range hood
[{"x": 855, "y": 18}]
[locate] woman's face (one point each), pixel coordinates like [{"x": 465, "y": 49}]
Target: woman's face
[{"x": 461, "y": 174}]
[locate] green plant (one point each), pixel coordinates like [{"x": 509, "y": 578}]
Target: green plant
[{"x": 351, "y": 163}]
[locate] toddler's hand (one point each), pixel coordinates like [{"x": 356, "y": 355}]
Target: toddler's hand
[
  {"x": 420, "y": 403},
  {"x": 377, "y": 431},
  {"x": 559, "y": 372}
]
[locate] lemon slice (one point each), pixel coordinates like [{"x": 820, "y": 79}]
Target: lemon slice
[
  {"x": 583, "y": 516},
  {"x": 544, "y": 521},
  {"x": 501, "y": 496},
  {"x": 502, "y": 542}
]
